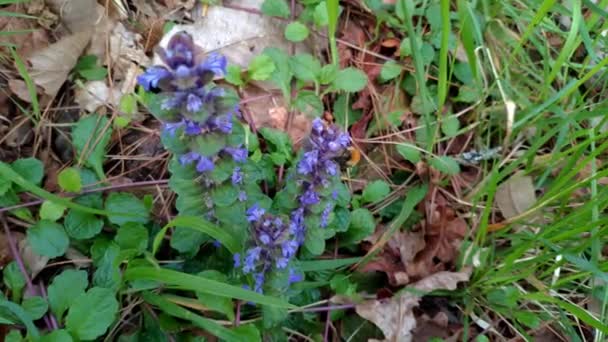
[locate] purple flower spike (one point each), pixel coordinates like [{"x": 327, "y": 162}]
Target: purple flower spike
[
  {"x": 194, "y": 103},
  {"x": 204, "y": 164},
  {"x": 180, "y": 51},
  {"x": 239, "y": 155},
  {"x": 171, "y": 127},
  {"x": 310, "y": 197},
  {"x": 192, "y": 128},
  {"x": 294, "y": 277},
  {"x": 308, "y": 162},
  {"x": 289, "y": 248},
  {"x": 242, "y": 196},
  {"x": 215, "y": 63},
  {"x": 325, "y": 215},
  {"x": 237, "y": 260},
  {"x": 255, "y": 213},
  {"x": 153, "y": 75},
  {"x": 237, "y": 176},
  {"x": 189, "y": 158},
  {"x": 282, "y": 263}
]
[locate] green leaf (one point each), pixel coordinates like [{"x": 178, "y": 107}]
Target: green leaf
[
  {"x": 328, "y": 74},
  {"x": 233, "y": 75},
  {"x": 315, "y": 240},
  {"x": 224, "y": 195},
  {"x": 375, "y": 191},
  {"x": 276, "y": 8},
  {"x": 506, "y": 297},
  {"x": 31, "y": 169},
  {"x": 107, "y": 274},
  {"x": 261, "y": 67},
  {"x": 119, "y": 203},
  {"x": 200, "y": 284},
  {"x": 362, "y": 225},
  {"x": 320, "y": 15},
  {"x": 69, "y": 180},
  {"x": 309, "y": 103},
  {"x": 305, "y": 67},
  {"x": 51, "y": 211},
  {"x": 324, "y": 264},
  {"x": 529, "y": 319},
  {"x": 57, "y": 336},
  {"x": 282, "y": 75},
  {"x": 219, "y": 304},
  {"x": 95, "y": 74},
  {"x": 5, "y": 186},
  {"x": 198, "y": 224},
  {"x": 13, "y": 336},
  {"x": 90, "y": 137},
  {"x": 14, "y": 280},
  {"x": 48, "y": 238},
  {"x": 350, "y": 80},
  {"x": 450, "y": 126},
  {"x": 296, "y": 31},
  {"x": 80, "y": 225},
  {"x": 35, "y": 306},
  {"x": 92, "y": 313},
  {"x": 409, "y": 152},
  {"x": 64, "y": 289},
  {"x": 279, "y": 140},
  {"x": 445, "y": 164},
  {"x": 343, "y": 112},
  {"x": 132, "y": 236},
  {"x": 389, "y": 71},
  {"x": 23, "y": 316}
]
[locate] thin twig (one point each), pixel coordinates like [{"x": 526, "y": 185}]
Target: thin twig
[
  {"x": 50, "y": 315},
  {"x": 160, "y": 182}
]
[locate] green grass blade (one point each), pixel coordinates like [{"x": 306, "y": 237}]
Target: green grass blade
[
  {"x": 323, "y": 265},
  {"x": 202, "y": 226},
  {"x": 201, "y": 322},
  {"x": 200, "y": 284},
  {"x": 541, "y": 14},
  {"x": 333, "y": 12},
  {"x": 15, "y": 15},
  {"x": 575, "y": 310},
  {"x": 442, "y": 85}
]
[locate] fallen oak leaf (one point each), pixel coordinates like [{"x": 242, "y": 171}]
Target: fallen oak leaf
[
  {"x": 52, "y": 65},
  {"x": 515, "y": 196},
  {"x": 395, "y": 316}
]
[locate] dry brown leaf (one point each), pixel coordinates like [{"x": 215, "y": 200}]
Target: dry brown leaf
[
  {"x": 77, "y": 16},
  {"x": 516, "y": 195},
  {"x": 96, "y": 94},
  {"x": 51, "y": 66},
  {"x": 26, "y": 43},
  {"x": 395, "y": 316},
  {"x": 33, "y": 262}
]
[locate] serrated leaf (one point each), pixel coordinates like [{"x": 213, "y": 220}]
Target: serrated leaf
[
  {"x": 261, "y": 67},
  {"x": 375, "y": 191},
  {"x": 119, "y": 203},
  {"x": 276, "y": 8},
  {"x": 51, "y": 211},
  {"x": 80, "y": 225},
  {"x": 350, "y": 80},
  {"x": 90, "y": 137},
  {"x": 107, "y": 274},
  {"x": 57, "y": 336},
  {"x": 305, "y": 67},
  {"x": 362, "y": 225},
  {"x": 328, "y": 74},
  {"x": 233, "y": 75},
  {"x": 315, "y": 240},
  {"x": 92, "y": 313},
  {"x": 409, "y": 152},
  {"x": 445, "y": 164},
  {"x": 296, "y": 31},
  {"x": 309, "y": 103},
  {"x": 282, "y": 75},
  {"x": 48, "y": 238},
  {"x": 35, "y": 306},
  {"x": 132, "y": 236},
  {"x": 64, "y": 289}
]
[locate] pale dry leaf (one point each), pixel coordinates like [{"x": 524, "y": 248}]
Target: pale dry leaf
[
  {"x": 77, "y": 16},
  {"x": 96, "y": 94},
  {"x": 33, "y": 262},
  {"x": 80, "y": 260},
  {"x": 516, "y": 195},
  {"x": 19, "y": 88},
  {"x": 32, "y": 39},
  {"x": 395, "y": 316},
  {"x": 126, "y": 49},
  {"x": 51, "y": 66}
]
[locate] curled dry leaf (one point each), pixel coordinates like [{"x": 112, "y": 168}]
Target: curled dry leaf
[
  {"x": 516, "y": 195},
  {"x": 76, "y": 16},
  {"x": 52, "y": 65},
  {"x": 33, "y": 262},
  {"x": 31, "y": 39},
  {"x": 395, "y": 316},
  {"x": 96, "y": 94}
]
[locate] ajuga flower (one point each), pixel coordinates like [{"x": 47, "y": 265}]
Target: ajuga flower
[
  {"x": 273, "y": 246},
  {"x": 200, "y": 126}
]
